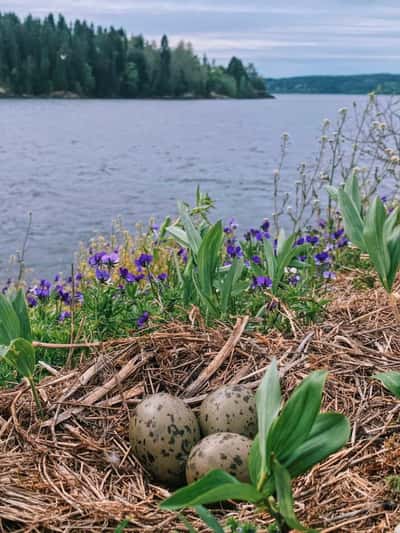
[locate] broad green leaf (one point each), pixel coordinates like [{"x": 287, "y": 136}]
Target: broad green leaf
[
  {"x": 390, "y": 223},
  {"x": 329, "y": 434},
  {"x": 193, "y": 235},
  {"x": 352, "y": 188},
  {"x": 268, "y": 400},
  {"x": 208, "y": 257},
  {"x": 391, "y": 380},
  {"x": 216, "y": 486},
  {"x": 21, "y": 309},
  {"x": 374, "y": 240},
  {"x": 393, "y": 244},
  {"x": 21, "y": 355},
  {"x": 297, "y": 418},
  {"x": 285, "y": 497},
  {"x": 281, "y": 241},
  {"x": 352, "y": 221},
  {"x": 270, "y": 258},
  {"x": 254, "y": 461},
  {"x": 209, "y": 519},
  {"x": 228, "y": 283},
  {"x": 10, "y": 328},
  {"x": 179, "y": 235},
  {"x": 204, "y": 298},
  {"x": 285, "y": 258}
]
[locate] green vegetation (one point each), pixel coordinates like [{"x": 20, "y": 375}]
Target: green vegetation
[
  {"x": 291, "y": 440},
  {"x": 357, "y": 84},
  {"x": 50, "y": 57}
]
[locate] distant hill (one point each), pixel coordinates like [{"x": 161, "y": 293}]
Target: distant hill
[{"x": 359, "y": 84}]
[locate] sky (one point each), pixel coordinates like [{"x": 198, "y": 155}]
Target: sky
[{"x": 292, "y": 38}]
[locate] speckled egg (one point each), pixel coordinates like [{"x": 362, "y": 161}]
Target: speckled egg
[
  {"x": 225, "y": 451},
  {"x": 162, "y": 433},
  {"x": 231, "y": 409}
]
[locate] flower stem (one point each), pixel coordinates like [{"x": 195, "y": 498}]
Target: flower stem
[{"x": 36, "y": 397}]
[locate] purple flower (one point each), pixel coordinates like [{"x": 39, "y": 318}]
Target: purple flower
[
  {"x": 257, "y": 234},
  {"x": 256, "y": 259},
  {"x": 261, "y": 282},
  {"x": 329, "y": 275},
  {"x": 300, "y": 241},
  {"x": 265, "y": 225},
  {"x": 182, "y": 253},
  {"x": 42, "y": 291},
  {"x": 102, "y": 275},
  {"x": 62, "y": 295},
  {"x": 32, "y": 302},
  {"x": 64, "y": 316},
  {"x": 141, "y": 321},
  {"x": 321, "y": 258},
  {"x": 344, "y": 241},
  {"x": 110, "y": 260},
  {"x": 126, "y": 275},
  {"x": 143, "y": 260},
  {"x": 294, "y": 279},
  {"x": 312, "y": 239},
  {"x": 79, "y": 297},
  {"x": 338, "y": 233},
  {"x": 79, "y": 277},
  {"x": 322, "y": 223},
  {"x": 96, "y": 259},
  {"x": 234, "y": 251},
  {"x": 163, "y": 276},
  {"x": 302, "y": 258},
  {"x": 231, "y": 227}
]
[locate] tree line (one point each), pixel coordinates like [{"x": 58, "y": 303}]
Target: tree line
[{"x": 49, "y": 56}]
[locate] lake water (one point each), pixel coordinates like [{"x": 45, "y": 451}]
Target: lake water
[{"x": 77, "y": 165}]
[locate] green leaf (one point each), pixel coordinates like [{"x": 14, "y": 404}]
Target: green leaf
[
  {"x": 21, "y": 355},
  {"x": 216, "y": 486},
  {"x": 393, "y": 244},
  {"x": 270, "y": 258},
  {"x": 352, "y": 188},
  {"x": 374, "y": 240},
  {"x": 193, "y": 236},
  {"x": 268, "y": 400},
  {"x": 329, "y": 434},
  {"x": 208, "y": 258},
  {"x": 285, "y": 496},
  {"x": 390, "y": 223},
  {"x": 21, "y": 309},
  {"x": 179, "y": 235},
  {"x": 228, "y": 283},
  {"x": 352, "y": 221},
  {"x": 10, "y": 328},
  {"x": 391, "y": 380},
  {"x": 209, "y": 519},
  {"x": 297, "y": 418}
]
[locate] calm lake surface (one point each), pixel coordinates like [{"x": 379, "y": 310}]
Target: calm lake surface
[{"x": 79, "y": 164}]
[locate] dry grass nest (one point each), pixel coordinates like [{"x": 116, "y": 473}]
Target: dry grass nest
[{"x": 74, "y": 471}]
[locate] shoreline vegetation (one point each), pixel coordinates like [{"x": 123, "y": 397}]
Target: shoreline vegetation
[
  {"x": 359, "y": 84},
  {"x": 50, "y": 56}
]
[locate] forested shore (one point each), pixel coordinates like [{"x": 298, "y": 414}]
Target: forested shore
[{"x": 51, "y": 57}]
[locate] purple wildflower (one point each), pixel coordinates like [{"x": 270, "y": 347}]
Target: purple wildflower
[
  {"x": 321, "y": 258},
  {"x": 32, "y": 301},
  {"x": 300, "y": 241},
  {"x": 265, "y": 225},
  {"x": 312, "y": 239},
  {"x": 64, "y": 316},
  {"x": 182, "y": 253},
  {"x": 329, "y": 275},
  {"x": 143, "y": 260},
  {"x": 344, "y": 241},
  {"x": 42, "y": 291},
  {"x": 261, "y": 282},
  {"x": 338, "y": 233},
  {"x": 234, "y": 251},
  {"x": 256, "y": 259},
  {"x": 141, "y": 321},
  {"x": 102, "y": 275},
  {"x": 163, "y": 276},
  {"x": 126, "y": 275},
  {"x": 110, "y": 260},
  {"x": 96, "y": 259}
]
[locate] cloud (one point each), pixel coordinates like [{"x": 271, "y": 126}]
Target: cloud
[{"x": 296, "y": 37}]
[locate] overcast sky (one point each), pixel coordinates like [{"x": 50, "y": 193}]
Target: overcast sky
[{"x": 289, "y": 38}]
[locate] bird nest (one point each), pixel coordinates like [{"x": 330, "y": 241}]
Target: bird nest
[{"x": 74, "y": 470}]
